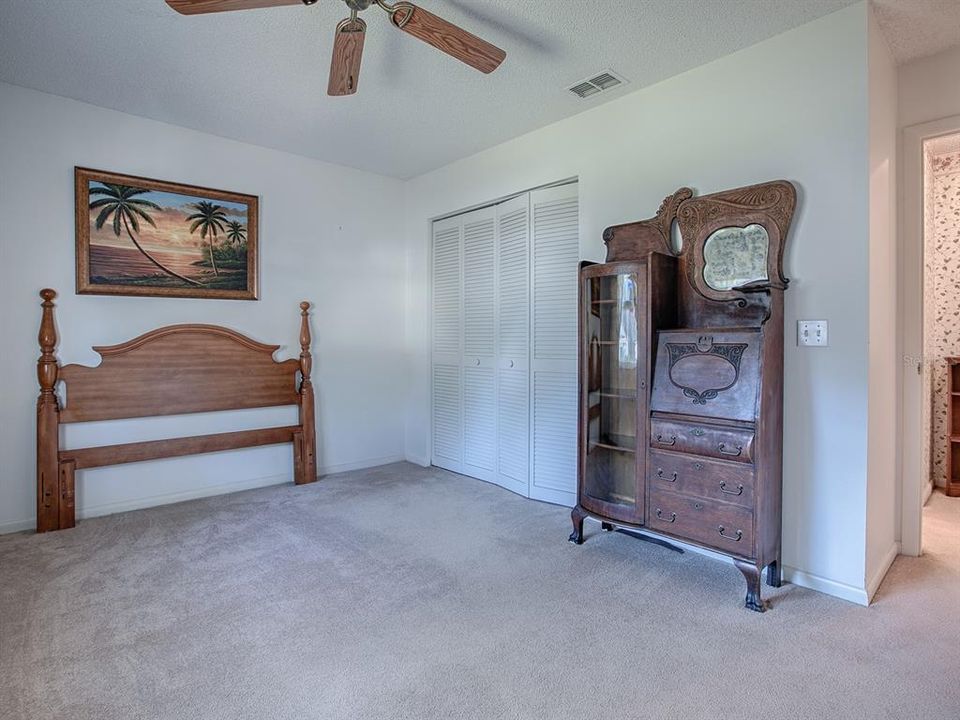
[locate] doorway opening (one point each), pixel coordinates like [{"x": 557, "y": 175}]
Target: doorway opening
[
  {"x": 940, "y": 450},
  {"x": 930, "y": 284}
]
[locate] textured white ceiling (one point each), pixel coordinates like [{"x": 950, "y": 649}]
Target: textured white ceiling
[
  {"x": 260, "y": 75},
  {"x": 917, "y": 28}
]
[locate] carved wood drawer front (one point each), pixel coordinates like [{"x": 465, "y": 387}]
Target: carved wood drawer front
[
  {"x": 712, "y": 479},
  {"x": 724, "y": 443},
  {"x": 719, "y": 525}
]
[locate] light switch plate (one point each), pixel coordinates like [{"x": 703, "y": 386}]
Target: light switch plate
[{"x": 812, "y": 333}]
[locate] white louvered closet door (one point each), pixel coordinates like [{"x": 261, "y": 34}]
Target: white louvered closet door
[
  {"x": 504, "y": 343},
  {"x": 479, "y": 343},
  {"x": 555, "y": 253},
  {"x": 513, "y": 341},
  {"x": 446, "y": 349}
]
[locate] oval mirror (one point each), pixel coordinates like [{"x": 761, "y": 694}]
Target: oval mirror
[{"x": 734, "y": 256}]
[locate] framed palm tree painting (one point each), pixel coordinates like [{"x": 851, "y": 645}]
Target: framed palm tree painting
[{"x": 137, "y": 236}]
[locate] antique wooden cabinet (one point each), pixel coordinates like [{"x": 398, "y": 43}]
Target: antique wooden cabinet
[
  {"x": 952, "y": 486},
  {"x": 681, "y": 377}
]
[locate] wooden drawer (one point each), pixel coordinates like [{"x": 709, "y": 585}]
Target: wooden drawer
[
  {"x": 726, "y": 527},
  {"x": 711, "y": 479},
  {"x": 716, "y": 441}
]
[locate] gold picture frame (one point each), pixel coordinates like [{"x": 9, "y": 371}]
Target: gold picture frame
[{"x": 145, "y": 237}]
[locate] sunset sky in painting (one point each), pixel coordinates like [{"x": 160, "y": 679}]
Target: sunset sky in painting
[{"x": 172, "y": 233}]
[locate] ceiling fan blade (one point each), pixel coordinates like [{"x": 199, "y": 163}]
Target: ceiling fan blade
[
  {"x": 447, "y": 37},
  {"x": 200, "y": 7},
  {"x": 347, "y": 53}
]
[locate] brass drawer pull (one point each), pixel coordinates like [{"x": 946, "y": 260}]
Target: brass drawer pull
[
  {"x": 673, "y": 516},
  {"x": 722, "y": 447},
  {"x": 664, "y": 477},
  {"x": 738, "y": 538},
  {"x": 723, "y": 489},
  {"x": 671, "y": 441}
]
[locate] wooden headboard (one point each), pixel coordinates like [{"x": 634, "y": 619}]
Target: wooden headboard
[{"x": 172, "y": 370}]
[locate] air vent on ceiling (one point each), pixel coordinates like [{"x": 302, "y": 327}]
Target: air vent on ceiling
[{"x": 597, "y": 84}]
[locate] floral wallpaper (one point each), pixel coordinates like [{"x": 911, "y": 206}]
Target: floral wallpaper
[{"x": 941, "y": 298}]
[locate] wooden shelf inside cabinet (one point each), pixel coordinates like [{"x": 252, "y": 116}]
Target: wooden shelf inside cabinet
[
  {"x": 617, "y": 448},
  {"x": 617, "y": 393}
]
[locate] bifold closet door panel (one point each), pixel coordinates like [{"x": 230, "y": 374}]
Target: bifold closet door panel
[
  {"x": 446, "y": 350},
  {"x": 513, "y": 342},
  {"x": 480, "y": 343},
  {"x": 555, "y": 255}
]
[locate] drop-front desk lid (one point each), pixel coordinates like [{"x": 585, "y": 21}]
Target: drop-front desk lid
[{"x": 708, "y": 373}]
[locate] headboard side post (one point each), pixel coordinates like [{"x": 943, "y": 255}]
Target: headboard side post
[
  {"x": 308, "y": 446},
  {"x": 48, "y": 420}
]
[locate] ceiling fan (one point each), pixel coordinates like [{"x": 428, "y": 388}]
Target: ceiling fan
[{"x": 348, "y": 41}]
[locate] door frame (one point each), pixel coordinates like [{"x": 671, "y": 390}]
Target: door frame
[{"x": 915, "y": 481}]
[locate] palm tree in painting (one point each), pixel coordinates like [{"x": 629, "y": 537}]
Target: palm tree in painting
[
  {"x": 210, "y": 219},
  {"x": 127, "y": 210},
  {"x": 236, "y": 233}
]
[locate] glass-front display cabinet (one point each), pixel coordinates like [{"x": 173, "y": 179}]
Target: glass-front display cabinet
[
  {"x": 613, "y": 375},
  {"x": 681, "y": 378}
]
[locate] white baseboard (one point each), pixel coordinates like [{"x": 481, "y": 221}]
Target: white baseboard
[
  {"x": 206, "y": 491},
  {"x": 420, "y": 460},
  {"x": 140, "y": 503},
  {"x": 874, "y": 583},
  {"x": 17, "y": 526},
  {"x": 928, "y": 491},
  {"x": 796, "y": 576},
  {"x": 359, "y": 465},
  {"x": 837, "y": 589}
]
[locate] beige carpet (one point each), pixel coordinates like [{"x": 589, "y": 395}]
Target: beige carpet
[{"x": 401, "y": 592}]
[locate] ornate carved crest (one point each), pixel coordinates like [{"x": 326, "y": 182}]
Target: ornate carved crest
[
  {"x": 636, "y": 239},
  {"x": 770, "y": 205}
]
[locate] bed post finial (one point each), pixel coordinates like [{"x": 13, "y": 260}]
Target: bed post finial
[
  {"x": 48, "y": 422},
  {"x": 308, "y": 449},
  {"x": 306, "y": 360},
  {"x": 47, "y": 364}
]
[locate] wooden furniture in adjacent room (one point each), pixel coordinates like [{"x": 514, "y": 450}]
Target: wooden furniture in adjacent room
[
  {"x": 172, "y": 370},
  {"x": 952, "y": 486},
  {"x": 681, "y": 377}
]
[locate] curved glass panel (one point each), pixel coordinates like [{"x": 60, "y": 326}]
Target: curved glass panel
[
  {"x": 734, "y": 256},
  {"x": 611, "y": 431}
]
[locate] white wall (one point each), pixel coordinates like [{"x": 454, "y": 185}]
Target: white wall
[
  {"x": 793, "y": 107},
  {"x": 883, "y": 441},
  {"x": 327, "y": 234},
  {"x": 929, "y": 89}
]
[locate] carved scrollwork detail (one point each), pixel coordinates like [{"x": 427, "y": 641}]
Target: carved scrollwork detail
[
  {"x": 717, "y": 353},
  {"x": 631, "y": 240}
]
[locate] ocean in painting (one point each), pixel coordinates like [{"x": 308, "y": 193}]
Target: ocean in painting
[
  {"x": 152, "y": 238},
  {"x": 111, "y": 265}
]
